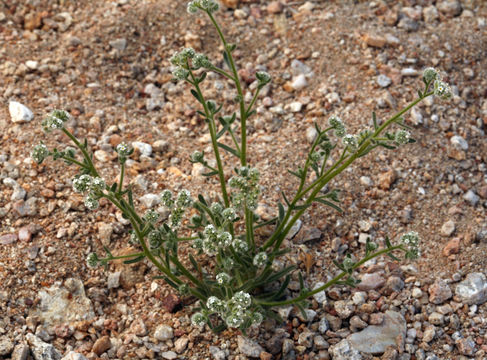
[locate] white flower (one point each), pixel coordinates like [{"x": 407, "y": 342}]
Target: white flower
[
  {"x": 350, "y": 141},
  {"x": 40, "y": 153},
  {"x": 260, "y": 260}
]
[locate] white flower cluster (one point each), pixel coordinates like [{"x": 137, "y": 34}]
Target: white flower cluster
[
  {"x": 40, "y": 153},
  {"x": 213, "y": 240},
  {"x": 411, "y": 241},
  {"x": 247, "y": 182},
  {"x": 351, "y": 141},
  {"x": 55, "y": 120},
  {"x": 441, "y": 89},
  {"x": 337, "y": 124},
  {"x": 93, "y": 186},
  {"x": 177, "y": 206},
  {"x": 186, "y": 60},
  {"x": 401, "y": 137},
  {"x": 235, "y": 312},
  {"x": 205, "y": 5},
  {"x": 260, "y": 260}
]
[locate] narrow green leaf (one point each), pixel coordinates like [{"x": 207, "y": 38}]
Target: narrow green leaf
[
  {"x": 130, "y": 196},
  {"x": 202, "y": 77},
  {"x": 170, "y": 282},
  {"x": 133, "y": 261},
  {"x": 227, "y": 59},
  {"x": 202, "y": 200},
  {"x": 251, "y": 113},
  {"x": 229, "y": 149},
  {"x": 297, "y": 174},
  {"x": 285, "y": 199},
  {"x": 281, "y": 211},
  {"x": 113, "y": 187},
  {"x": 211, "y": 173},
  {"x": 420, "y": 94},
  {"x": 374, "y": 119},
  {"x": 329, "y": 203},
  {"x": 196, "y": 95},
  {"x": 302, "y": 207},
  {"x": 222, "y": 131}
]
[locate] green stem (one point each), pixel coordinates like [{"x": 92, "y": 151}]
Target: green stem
[
  {"x": 222, "y": 72},
  {"x": 253, "y": 100},
  {"x": 212, "y": 127},
  {"x": 122, "y": 256},
  {"x": 329, "y": 283},
  {"x": 122, "y": 171},
  {"x": 74, "y": 161},
  {"x": 83, "y": 150}
]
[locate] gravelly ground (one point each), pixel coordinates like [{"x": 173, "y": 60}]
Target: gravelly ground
[{"x": 98, "y": 61}]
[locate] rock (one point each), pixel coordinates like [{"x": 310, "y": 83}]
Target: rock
[
  {"x": 138, "y": 327},
  {"x": 429, "y": 333},
  {"x": 383, "y": 81},
  {"x": 74, "y": 356},
  {"x": 366, "y": 181},
  {"x": 130, "y": 274},
  {"x": 430, "y": 14},
  {"x": 371, "y": 281},
  {"x": 323, "y": 325},
  {"x": 101, "y": 345},
  {"x": 274, "y": 7},
  {"x": 42, "y": 350},
  {"x": 375, "y": 339},
  {"x": 169, "y": 355},
  {"x": 21, "y": 352},
  {"x": 19, "y": 113},
  {"x": 452, "y": 247},
  {"x": 160, "y": 146},
  {"x": 439, "y": 292},
  {"x": 409, "y": 72},
  {"x": 163, "y": 332},
  {"x": 459, "y": 142},
  {"x": 448, "y": 228},
  {"x": 295, "y": 106},
  {"x": 471, "y": 197},
  {"x": 436, "y": 318},
  {"x": 387, "y": 179},
  {"x": 32, "y": 65},
  {"x": 230, "y": 3},
  {"x": 150, "y": 200},
  {"x": 248, "y": 347},
  {"x": 105, "y": 232},
  {"x": 374, "y": 40},
  {"x": 143, "y": 148},
  {"x": 299, "y": 82},
  {"x": 466, "y": 346},
  {"x": 274, "y": 344},
  {"x": 321, "y": 296},
  {"x": 473, "y": 290},
  {"x": 344, "y": 308},
  {"x": 113, "y": 280},
  {"x": 344, "y": 351},
  {"x": 6, "y": 346},
  {"x": 8, "y": 239},
  {"x": 181, "y": 344},
  {"x": 64, "y": 304},
  {"x": 306, "y": 338},
  {"x": 171, "y": 303},
  {"x": 217, "y": 353},
  {"x": 119, "y": 44},
  {"x": 450, "y": 8}
]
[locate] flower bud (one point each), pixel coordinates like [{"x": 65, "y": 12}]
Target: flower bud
[
  {"x": 91, "y": 203},
  {"x": 166, "y": 198},
  {"x": 350, "y": 141},
  {"x": 260, "y": 260},
  {"x": 92, "y": 260},
  {"x": 263, "y": 77},
  {"x": 242, "y": 300},
  {"x": 123, "y": 150},
  {"x": 442, "y": 90},
  {"x": 402, "y": 137},
  {"x": 430, "y": 74},
  {"x": 197, "y": 156},
  {"x": 82, "y": 183},
  {"x": 223, "y": 278},
  {"x": 40, "y": 153},
  {"x": 198, "y": 319}
]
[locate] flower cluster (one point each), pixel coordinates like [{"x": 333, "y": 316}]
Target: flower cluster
[
  {"x": 213, "y": 240},
  {"x": 337, "y": 124},
  {"x": 55, "y": 120},
  {"x": 263, "y": 78},
  {"x": 235, "y": 311},
  {"x": 441, "y": 89},
  {"x": 260, "y": 260},
  {"x": 411, "y": 242},
  {"x": 178, "y": 206},
  {"x": 40, "y": 153},
  {"x": 247, "y": 184},
  {"x": 93, "y": 186},
  {"x": 205, "y": 5},
  {"x": 402, "y": 137},
  {"x": 186, "y": 60},
  {"x": 124, "y": 151},
  {"x": 350, "y": 141}
]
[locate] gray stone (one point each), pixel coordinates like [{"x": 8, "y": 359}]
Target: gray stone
[
  {"x": 113, "y": 280},
  {"x": 459, "y": 142},
  {"x": 169, "y": 355},
  {"x": 471, "y": 197},
  {"x": 249, "y": 347},
  {"x": 371, "y": 281},
  {"x": 430, "y": 14},
  {"x": 160, "y": 146},
  {"x": 383, "y": 81},
  {"x": 150, "y": 200},
  {"x": 323, "y": 325},
  {"x": 19, "y": 113},
  {"x": 119, "y": 44},
  {"x": 105, "y": 233},
  {"x": 473, "y": 290},
  {"x": 163, "y": 332},
  {"x": 74, "y": 356},
  {"x": 376, "y": 338},
  {"x": 64, "y": 304},
  {"x": 20, "y": 352},
  {"x": 18, "y": 193},
  {"x": 344, "y": 351},
  {"x": 217, "y": 353},
  {"x": 439, "y": 292},
  {"x": 6, "y": 346},
  {"x": 299, "y": 82},
  {"x": 321, "y": 296},
  {"x": 144, "y": 148},
  {"x": 311, "y": 134},
  {"x": 450, "y": 7},
  {"x": 295, "y": 106},
  {"x": 42, "y": 350},
  {"x": 448, "y": 228}
]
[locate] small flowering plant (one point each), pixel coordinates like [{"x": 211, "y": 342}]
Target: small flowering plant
[{"x": 245, "y": 280}]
